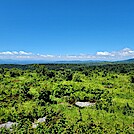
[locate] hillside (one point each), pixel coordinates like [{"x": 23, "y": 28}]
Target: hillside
[
  {"x": 67, "y": 98},
  {"x": 130, "y": 60}
]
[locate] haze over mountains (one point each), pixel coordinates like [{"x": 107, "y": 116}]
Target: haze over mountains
[{"x": 9, "y": 61}]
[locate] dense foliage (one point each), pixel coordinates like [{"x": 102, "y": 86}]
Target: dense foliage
[{"x": 29, "y": 92}]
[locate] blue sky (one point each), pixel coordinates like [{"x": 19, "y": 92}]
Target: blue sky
[{"x": 66, "y": 27}]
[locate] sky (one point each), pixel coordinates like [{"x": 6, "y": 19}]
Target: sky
[{"x": 67, "y": 29}]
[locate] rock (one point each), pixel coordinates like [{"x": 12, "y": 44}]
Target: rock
[
  {"x": 40, "y": 120},
  {"x": 84, "y": 104},
  {"x": 8, "y": 125},
  {"x": 34, "y": 125}
]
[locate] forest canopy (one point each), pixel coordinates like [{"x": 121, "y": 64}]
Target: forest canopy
[{"x": 50, "y": 91}]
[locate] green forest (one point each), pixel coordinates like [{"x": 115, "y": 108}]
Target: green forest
[{"x": 29, "y": 93}]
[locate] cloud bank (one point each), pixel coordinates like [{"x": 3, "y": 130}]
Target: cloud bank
[{"x": 125, "y": 53}]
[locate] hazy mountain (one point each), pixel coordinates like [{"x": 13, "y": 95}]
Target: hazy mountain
[
  {"x": 10, "y": 61},
  {"x": 128, "y": 61}
]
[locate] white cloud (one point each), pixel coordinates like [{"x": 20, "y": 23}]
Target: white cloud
[
  {"x": 15, "y": 53},
  {"x": 126, "y": 52},
  {"x": 116, "y": 55},
  {"x": 105, "y": 55},
  {"x": 24, "y": 53},
  {"x": 6, "y": 53}
]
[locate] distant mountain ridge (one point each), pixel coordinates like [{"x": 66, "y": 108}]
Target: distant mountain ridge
[
  {"x": 128, "y": 60},
  {"x": 10, "y": 61}
]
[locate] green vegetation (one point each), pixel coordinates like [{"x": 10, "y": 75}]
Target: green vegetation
[{"x": 30, "y": 92}]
